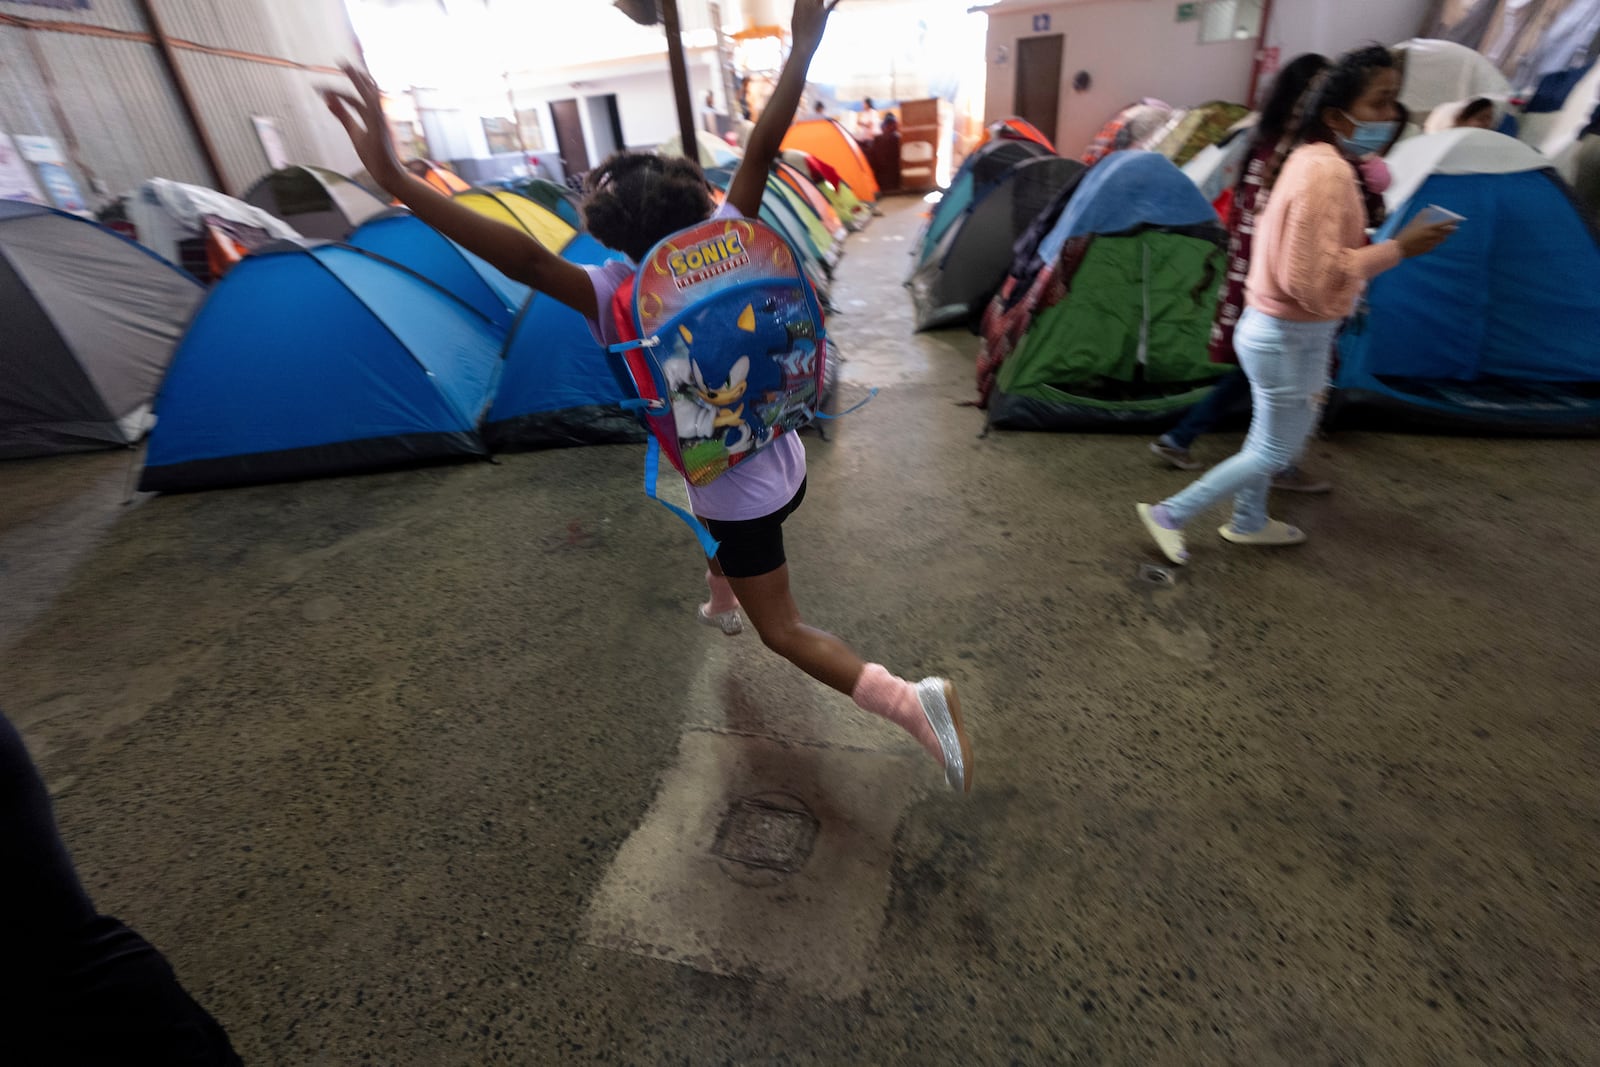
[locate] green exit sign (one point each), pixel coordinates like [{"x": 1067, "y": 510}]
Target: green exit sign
[{"x": 1188, "y": 12}]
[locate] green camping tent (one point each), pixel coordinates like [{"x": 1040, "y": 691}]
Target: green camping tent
[{"x": 1111, "y": 329}]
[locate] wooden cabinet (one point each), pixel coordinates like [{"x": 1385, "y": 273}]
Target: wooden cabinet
[{"x": 926, "y": 129}]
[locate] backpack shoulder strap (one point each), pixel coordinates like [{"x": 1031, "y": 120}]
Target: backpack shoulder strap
[{"x": 621, "y": 310}]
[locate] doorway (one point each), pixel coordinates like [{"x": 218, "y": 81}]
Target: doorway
[
  {"x": 1038, "y": 92},
  {"x": 605, "y": 124},
  {"x": 568, "y": 121}
]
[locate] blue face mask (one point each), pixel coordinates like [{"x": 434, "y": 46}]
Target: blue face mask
[{"x": 1369, "y": 138}]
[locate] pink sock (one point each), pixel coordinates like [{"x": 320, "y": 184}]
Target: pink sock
[
  {"x": 895, "y": 699},
  {"x": 722, "y": 598}
]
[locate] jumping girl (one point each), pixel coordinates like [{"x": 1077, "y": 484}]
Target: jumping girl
[{"x": 635, "y": 200}]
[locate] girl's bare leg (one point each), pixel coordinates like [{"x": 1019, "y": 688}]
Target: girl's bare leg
[{"x": 772, "y": 611}]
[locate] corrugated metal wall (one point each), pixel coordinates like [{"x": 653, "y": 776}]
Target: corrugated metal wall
[
  {"x": 126, "y": 117},
  {"x": 230, "y": 93},
  {"x": 112, "y": 14}
]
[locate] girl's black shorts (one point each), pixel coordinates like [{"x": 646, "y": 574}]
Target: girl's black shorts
[{"x": 753, "y": 547}]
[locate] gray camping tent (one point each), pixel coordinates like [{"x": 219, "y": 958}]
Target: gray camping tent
[
  {"x": 315, "y": 201},
  {"x": 91, "y": 320},
  {"x": 968, "y": 264}
]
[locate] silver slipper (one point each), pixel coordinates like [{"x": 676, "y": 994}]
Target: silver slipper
[
  {"x": 729, "y": 622},
  {"x": 942, "y": 708}
]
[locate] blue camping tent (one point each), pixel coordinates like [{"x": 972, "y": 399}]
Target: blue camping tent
[
  {"x": 405, "y": 239},
  {"x": 985, "y": 167},
  {"x": 1132, "y": 190},
  {"x": 557, "y": 388},
  {"x": 1499, "y": 329},
  {"x": 315, "y": 360}
]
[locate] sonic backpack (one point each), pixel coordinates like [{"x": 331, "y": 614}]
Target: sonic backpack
[{"x": 726, "y": 350}]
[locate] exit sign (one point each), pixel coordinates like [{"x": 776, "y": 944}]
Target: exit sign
[{"x": 1188, "y": 12}]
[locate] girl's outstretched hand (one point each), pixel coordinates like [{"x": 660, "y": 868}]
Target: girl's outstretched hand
[
  {"x": 810, "y": 20},
  {"x": 362, "y": 117}
]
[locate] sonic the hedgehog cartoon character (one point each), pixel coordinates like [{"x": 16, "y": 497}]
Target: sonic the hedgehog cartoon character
[{"x": 703, "y": 410}]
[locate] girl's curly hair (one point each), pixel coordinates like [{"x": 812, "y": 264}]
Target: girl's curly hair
[{"x": 637, "y": 198}]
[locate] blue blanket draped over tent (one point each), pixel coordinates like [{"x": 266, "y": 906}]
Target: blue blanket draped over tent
[{"x": 1141, "y": 192}]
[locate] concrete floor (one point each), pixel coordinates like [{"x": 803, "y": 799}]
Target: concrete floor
[{"x": 433, "y": 767}]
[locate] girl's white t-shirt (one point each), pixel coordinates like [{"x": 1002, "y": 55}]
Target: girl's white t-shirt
[{"x": 751, "y": 489}]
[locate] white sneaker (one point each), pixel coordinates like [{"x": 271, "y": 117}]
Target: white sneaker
[
  {"x": 731, "y": 623},
  {"x": 942, "y": 708},
  {"x": 1274, "y": 534}
]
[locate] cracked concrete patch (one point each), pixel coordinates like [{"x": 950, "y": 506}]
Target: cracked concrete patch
[{"x": 670, "y": 895}]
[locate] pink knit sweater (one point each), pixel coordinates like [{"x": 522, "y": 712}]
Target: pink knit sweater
[{"x": 1312, "y": 258}]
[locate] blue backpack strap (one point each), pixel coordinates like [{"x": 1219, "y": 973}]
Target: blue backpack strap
[
  {"x": 628, "y": 346},
  {"x": 652, "y": 473},
  {"x": 871, "y": 395}
]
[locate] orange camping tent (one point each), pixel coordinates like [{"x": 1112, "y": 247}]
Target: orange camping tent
[
  {"x": 828, "y": 141},
  {"x": 445, "y": 181},
  {"x": 1017, "y": 129}
]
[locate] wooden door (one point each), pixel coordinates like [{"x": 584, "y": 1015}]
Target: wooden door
[
  {"x": 1038, "y": 93},
  {"x": 569, "y": 135}
]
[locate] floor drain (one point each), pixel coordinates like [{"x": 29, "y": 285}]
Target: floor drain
[
  {"x": 768, "y": 832},
  {"x": 1151, "y": 574}
]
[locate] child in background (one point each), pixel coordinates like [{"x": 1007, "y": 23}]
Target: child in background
[{"x": 635, "y": 201}]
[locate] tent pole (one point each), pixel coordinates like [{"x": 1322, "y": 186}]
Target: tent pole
[
  {"x": 680, "y": 79},
  {"x": 191, "y": 108}
]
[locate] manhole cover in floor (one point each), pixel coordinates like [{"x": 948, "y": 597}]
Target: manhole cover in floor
[
  {"x": 769, "y": 832},
  {"x": 1151, "y": 574}
]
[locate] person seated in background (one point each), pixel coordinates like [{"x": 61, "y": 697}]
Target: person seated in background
[
  {"x": 1479, "y": 113},
  {"x": 741, "y": 98},
  {"x": 884, "y": 155},
  {"x": 709, "y": 114}
]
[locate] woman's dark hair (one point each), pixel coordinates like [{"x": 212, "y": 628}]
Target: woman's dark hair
[
  {"x": 1474, "y": 109},
  {"x": 1336, "y": 86},
  {"x": 1345, "y": 83},
  {"x": 1277, "y": 115},
  {"x": 637, "y": 198}
]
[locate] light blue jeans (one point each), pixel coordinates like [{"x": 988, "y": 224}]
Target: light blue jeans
[{"x": 1287, "y": 363}]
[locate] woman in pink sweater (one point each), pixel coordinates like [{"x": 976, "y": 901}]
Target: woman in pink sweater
[{"x": 1312, "y": 260}]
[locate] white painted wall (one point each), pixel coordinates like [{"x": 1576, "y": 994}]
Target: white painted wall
[
  {"x": 1131, "y": 49},
  {"x": 1335, "y": 26},
  {"x": 644, "y": 98}
]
